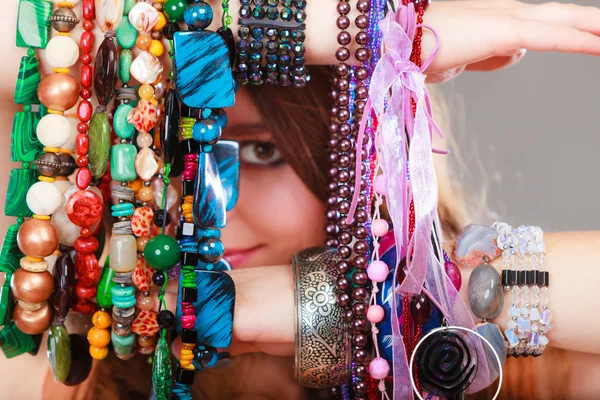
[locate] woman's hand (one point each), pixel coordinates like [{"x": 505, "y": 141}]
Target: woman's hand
[{"x": 486, "y": 35}]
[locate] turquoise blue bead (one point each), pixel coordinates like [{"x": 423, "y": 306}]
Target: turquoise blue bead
[
  {"x": 206, "y": 131},
  {"x": 220, "y": 116},
  {"x": 124, "y": 65},
  {"x": 122, "y": 162},
  {"x": 127, "y": 6},
  {"x": 123, "y": 345},
  {"x": 126, "y": 34},
  {"x": 123, "y": 128},
  {"x": 122, "y": 210},
  {"x": 198, "y": 16},
  {"x": 123, "y": 297}
]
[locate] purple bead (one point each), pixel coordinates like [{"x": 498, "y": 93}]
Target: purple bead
[
  {"x": 454, "y": 274},
  {"x": 546, "y": 317}
]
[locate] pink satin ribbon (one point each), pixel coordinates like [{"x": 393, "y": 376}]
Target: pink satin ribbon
[{"x": 399, "y": 80}]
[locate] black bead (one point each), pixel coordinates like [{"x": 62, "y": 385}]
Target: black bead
[
  {"x": 543, "y": 278},
  {"x": 184, "y": 376},
  {"x": 512, "y": 277},
  {"x": 521, "y": 278},
  {"x": 190, "y": 259},
  {"x": 189, "y": 336},
  {"x": 188, "y": 188},
  {"x": 159, "y": 218},
  {"x": 532, "y": 277},
  {"x": 189, "y": 295},
  {"x": 169, "y": 30},
  {"x": 170, "y": 133},
  {"x": 165, "y": 319},
  {"x": 158, "y": 278},
  {"x": 229, "y": 39},
  {"x": 206, "y": 356},
  {"x": 505, "y": 278}
]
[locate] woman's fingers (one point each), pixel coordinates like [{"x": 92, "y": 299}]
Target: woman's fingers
[{"x": 574, "y": 16}]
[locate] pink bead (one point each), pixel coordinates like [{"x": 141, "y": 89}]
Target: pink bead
[
  {"x": 380, "y": 227},
  {"x": 380, "y": 184},
  {"x": 375, "y": 313},
  {"x": 144, "y": 303},
  {"x": 379, "y": 368},
  {"x": 377, "y": 271},
  {"x": 454, "y": 274},
  {"x": 188, "y": 321}
]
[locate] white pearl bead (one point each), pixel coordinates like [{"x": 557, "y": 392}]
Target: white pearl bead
[
  {"x": 43, "y": 198},
  {"x": 70, "y": 144},
  {"x": 62, "y": 52},
  {"x": 53, "y": 130},
  {"x": 67, "y": 231},
  {"x": 123, "y": 253}
]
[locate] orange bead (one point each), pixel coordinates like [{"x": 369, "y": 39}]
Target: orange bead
[
  {"x": 136, "y": 185},
  {"x": 146, "y": 92},
  {"x": 101, "y": 320},
  {"x": 98, "y": 353},
  {"x": 156, "y": 48},
  {"x": 162, "y": 21},
  {"x": 143, "y": 42},
  {"x": 98, "y": 337},
  {"x": 145, "y": 194}
]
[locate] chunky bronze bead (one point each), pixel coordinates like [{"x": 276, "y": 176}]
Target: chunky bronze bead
[
  {"x": 48, "y": 164},
  {"x": 58, "y": 91},
  {"x": 33, "y": 322},
  {"x": 32, "y": 287},
  {"x": 37, "y": 238}
]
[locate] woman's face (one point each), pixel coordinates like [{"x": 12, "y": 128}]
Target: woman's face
[{"x": 276, "y": 214}]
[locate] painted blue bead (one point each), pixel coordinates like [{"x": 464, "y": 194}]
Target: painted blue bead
[
  {"x": 206, "y": 131},
  {"x": 220, "y": 116},
  {"x": 198, "y": 16}
]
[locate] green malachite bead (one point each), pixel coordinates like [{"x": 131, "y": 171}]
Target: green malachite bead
[
  {"x": 28, "y": 81},
  {"x": 123, "y": 128},
  {"x": 126, "y": 34},
  {"x": 124, "y": 65},
  {"x": 127, "y": 6},
  {"x": 6, "y": 301},
  {"x": 10, "y": 253},
  {"x": 103, "y": 293},
  {"x": 99, "y": 144},
  {"x": 19, "y": 182},
  {"x": 24, "y": 144},
  {"x": 174, "y": 9},
  {"x": 59, "y": 352},
  {"x": 14, "y": 342},
  {"x": 122, "y": 162},
  {"x": 162, "y": 370},
  {"x": 33, "y": 23},
  {"x": 162, "y": 252}
]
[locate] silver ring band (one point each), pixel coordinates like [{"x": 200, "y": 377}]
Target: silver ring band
[{"x": 322, "y": 336}]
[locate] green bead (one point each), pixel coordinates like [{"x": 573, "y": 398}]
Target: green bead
[
  {"x": 28, "y": 81},
  {"x": 99, "y": 144},
  {"x": 162, "y": 370},
  {"x": 104, "y": 293},
  {"x": 162, "y": 252},
  {"x": 6, "y": 301},
  {"x": 24, "y": 144},
  {"x": 123, "y": 345},
  {"x": 126, "y": 34},
  {"x": 122, "y": 162},
  {"x": 174, "y": 9},
  {"x": 10, "y": 255},
  {"x": 14, "y": 342},
  {"x": 124, "y": 65},
  {"x": 123, "y": 128},
  {"x": 33, "y": 23},
  {"x": 19, "y": 182},
  {"x": 127, "y": 7},
  {"x": 59, "y": 352}
]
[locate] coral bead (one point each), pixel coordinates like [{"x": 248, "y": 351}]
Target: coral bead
[
  {"x": 377, "y": 271},
  {"x": 98, "y": 337},
  {"x": 101, "y": 319},
  {"x": 375, "y": 313}
]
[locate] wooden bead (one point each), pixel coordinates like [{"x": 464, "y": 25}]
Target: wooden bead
[
  {"x": 37, "y": 238},
  {"x": 58, "y": 91},
  {"x": 33, "y": 322},
  {"x": 32, "y": 287}
]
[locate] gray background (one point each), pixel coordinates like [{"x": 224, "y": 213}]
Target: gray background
[{"x": 529, "y": 137}]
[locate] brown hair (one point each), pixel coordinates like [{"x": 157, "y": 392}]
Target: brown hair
[{"x": 298, "y": 119}]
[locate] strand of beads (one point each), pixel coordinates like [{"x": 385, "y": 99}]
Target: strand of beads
[{"x": 25, "y": 148}]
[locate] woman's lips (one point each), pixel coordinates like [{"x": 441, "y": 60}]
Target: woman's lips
[{"x": 238, "y": 258}]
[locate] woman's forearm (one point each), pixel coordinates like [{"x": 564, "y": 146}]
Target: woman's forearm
[{"x": 265, "y": 300}]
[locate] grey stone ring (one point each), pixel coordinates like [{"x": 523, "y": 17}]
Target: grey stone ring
[{"x": 322, "y": 336}]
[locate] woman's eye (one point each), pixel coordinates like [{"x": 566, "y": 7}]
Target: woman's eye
[{"x": 262, "y": 154}]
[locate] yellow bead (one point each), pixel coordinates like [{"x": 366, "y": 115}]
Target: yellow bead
[
  {"x": 162, "y": 21},
  {"x": 146, "y": 92},
  {"x": 61, "y": 70},
  {"x": 136, "y": 185},
  {"x": 101, "y": 320},
  {"x": 41, "y": 217},
  {"x": 45, "y": 179},
  {"x": 58, "y": 112},
  {"x": 98, "y": 337},
  {"x": 145, "y": 194},
  {"x": 98, "y": 353}
]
